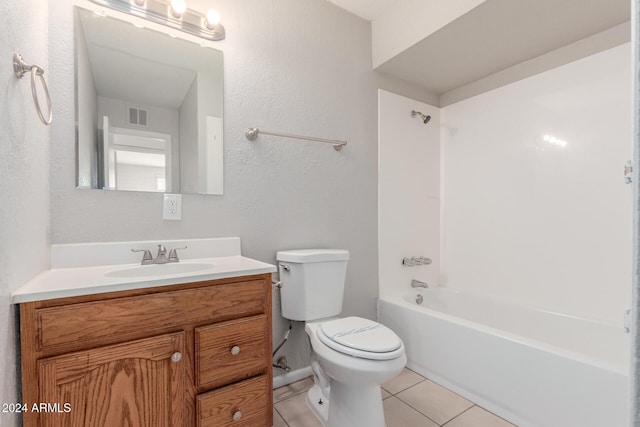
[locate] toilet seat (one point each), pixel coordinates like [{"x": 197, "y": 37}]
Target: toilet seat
[{"x": 361, "y": 338}]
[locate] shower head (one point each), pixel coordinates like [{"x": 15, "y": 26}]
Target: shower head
[{"x": 425, "y": 118}]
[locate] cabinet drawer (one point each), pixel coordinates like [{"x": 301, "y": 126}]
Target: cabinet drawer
[
  {"x": 241, "y": 404},
  {"x": 83, "y": 325},
  {"x": 231, "y": 351}
]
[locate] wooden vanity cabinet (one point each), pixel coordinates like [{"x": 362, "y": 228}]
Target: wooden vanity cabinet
[{"x": 193, "y": 355}]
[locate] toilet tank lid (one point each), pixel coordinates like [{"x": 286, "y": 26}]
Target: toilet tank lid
[{"x": 313, "y": 255}]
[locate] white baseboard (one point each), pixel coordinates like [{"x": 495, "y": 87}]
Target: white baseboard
[{"x": 291, "y": 377}]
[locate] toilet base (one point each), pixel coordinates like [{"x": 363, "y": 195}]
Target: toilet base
[
  {"x": 319, "y": 404},
  {"x": 348, "y": 406}
]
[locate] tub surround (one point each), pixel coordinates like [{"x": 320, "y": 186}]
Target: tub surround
[
  {"x": 84, "y": 269},
  {"x": 409, "y": 153},
  {"x": 518, "y": 239},
  {"x": 520, "y": 213}
]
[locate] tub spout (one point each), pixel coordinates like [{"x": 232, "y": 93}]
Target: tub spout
[{"x": 418, "y": 284}]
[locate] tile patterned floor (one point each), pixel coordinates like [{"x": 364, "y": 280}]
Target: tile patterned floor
[{"x": 410, "y": 400}]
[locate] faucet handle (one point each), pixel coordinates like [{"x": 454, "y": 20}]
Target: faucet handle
[
  {"x": 146, "y": 257},
  {"x": 173, "y": 255}
]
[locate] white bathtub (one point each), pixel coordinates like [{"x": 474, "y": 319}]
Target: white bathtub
[{"x": 533, "y": 367}]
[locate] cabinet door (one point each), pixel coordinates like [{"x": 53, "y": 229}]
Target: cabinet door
[{"x": 134, "y": 384}]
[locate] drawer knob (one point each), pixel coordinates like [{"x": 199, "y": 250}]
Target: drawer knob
[
  {"x": 235, "y": 350},
  {"x": 176, "y": 357},
  {"x": 237, "y": 415}
]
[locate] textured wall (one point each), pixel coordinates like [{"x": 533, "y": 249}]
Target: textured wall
[
  {"x": 539, "y": 222},
  {"x": 24, "y": 176},
  {"x": 284, "y": 71}
]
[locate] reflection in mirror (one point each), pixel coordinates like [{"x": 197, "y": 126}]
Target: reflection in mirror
[{"x": 148, "y": 109}]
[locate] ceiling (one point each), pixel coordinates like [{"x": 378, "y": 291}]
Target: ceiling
[{"x": 494, "y": 36}]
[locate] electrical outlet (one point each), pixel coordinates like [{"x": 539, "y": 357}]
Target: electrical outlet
[{"x": 172, "y": 206}]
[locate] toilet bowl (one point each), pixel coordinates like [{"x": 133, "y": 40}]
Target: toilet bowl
[
  {"x": 351, "y": 356},
  {"x": 351, "y": 394}
]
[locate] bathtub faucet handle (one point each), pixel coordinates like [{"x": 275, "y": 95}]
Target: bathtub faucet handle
[
  {"x": 423, "y": 260},
  {"x": 418, "y": 284},
  {"x": 416, "y": 260}
]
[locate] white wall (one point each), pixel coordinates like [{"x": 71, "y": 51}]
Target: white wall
[
  {"x": 133, "y": 177},
  {"x": 532, "y": 221},
  {"x": 409, "y": 192},
  {"x": 284, "y": 72},
  {"x": 24, "y": 176},
  {"x": 159, "y": 119},
  {"x": 87, "y": 118},
  {"x": 188, "y": 143},
  {"x": 210, "y": 133}
]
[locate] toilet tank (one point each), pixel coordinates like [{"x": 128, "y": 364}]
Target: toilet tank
[{"x": 312, "y": 282}]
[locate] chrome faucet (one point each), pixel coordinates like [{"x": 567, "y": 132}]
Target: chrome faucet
[
  {"x": 418, "y": 284},
  {"x": 161, "y": 258}
]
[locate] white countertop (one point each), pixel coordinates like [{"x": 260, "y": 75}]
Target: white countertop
[
  {"x": 88, "y": 268},
  {"x": 71, "y": 282}
]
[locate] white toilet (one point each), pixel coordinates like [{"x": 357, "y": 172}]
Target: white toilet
[{"x": 352, "y": 356}]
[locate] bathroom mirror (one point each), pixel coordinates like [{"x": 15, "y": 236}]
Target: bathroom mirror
[{"x": 148, "y": 109}]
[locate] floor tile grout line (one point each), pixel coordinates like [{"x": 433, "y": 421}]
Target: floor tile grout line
[
  {"x": 443, "y": 425},
  {"x": 281, "y": 416},
  {"x": 417, "y": 410},
  {"x": 425, "y": 379},
  {"x": 405, "y": 389}
]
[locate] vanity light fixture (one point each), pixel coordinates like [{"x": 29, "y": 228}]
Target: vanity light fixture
[
  {"x": 177, "y": 8},
  {"x": 172, "y": 13},
  {"x": 213, "y": 18}
]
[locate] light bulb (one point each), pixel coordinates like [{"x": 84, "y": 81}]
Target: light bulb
[
  {"x": 213, "y": 18},
  {"x": 178, "y": 7},
  {"x": 139, "y": 2}
]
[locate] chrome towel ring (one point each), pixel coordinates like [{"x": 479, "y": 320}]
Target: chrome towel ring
[{"x": 20, "y": 68}]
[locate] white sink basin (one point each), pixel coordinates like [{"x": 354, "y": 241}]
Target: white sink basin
[{"x": 160, "y": 269}]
